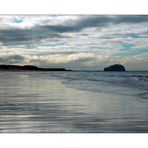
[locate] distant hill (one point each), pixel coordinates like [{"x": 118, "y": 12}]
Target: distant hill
[{"x": 28, "y": 68}]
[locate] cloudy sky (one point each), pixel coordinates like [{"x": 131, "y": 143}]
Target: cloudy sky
[{"x": 74, "y": 41}]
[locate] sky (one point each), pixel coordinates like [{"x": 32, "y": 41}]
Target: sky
[{"x": 82, "y": 42}]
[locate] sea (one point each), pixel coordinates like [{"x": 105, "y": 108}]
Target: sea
[{"x": 74, "y": 102}]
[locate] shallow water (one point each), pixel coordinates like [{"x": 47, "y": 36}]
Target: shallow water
[{"x": 73, "y": 102}]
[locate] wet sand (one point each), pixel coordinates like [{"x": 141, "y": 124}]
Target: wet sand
[{"x": 38, "y": 105}]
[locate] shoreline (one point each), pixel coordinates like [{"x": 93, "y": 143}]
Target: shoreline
[{"x": 37, "y": 103}]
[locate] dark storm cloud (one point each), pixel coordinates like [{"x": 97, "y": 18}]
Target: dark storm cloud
[
  {"x": 22, "y": 36},
  {"x": 131, "y": 19},
  {"x": 84, "y": 22},
  {"x": 95, "y": 21},
  {"x": 35, "y": 34}
]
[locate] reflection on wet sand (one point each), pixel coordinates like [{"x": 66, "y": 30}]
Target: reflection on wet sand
[{"x": 30, "y": 104}]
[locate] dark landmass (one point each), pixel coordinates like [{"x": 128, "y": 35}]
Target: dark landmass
[
  {"x": 116, "y": 67},
  {"x": 28, "y": 68}
]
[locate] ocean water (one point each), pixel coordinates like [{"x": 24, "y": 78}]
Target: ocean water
[{"x": 74, "y": 102}]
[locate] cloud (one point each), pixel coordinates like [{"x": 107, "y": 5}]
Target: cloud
[
  {"x": 131, "y": 19},
  {"x": 75, "y": 42},
  {"x": 46, "y": 27},
  {"x": 12, "y": 59},
  {"x": 52, "y": 26},
  {"x": 82, "y": 23},
  {"x": 71, "y": 60},
  {"x": 17, "y": 36},
  {"x": 68, "y": 60},
  {"x": 93, "y": 21}
]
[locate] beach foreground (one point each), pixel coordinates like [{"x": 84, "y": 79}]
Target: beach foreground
[{"x": 47, "y": 102}]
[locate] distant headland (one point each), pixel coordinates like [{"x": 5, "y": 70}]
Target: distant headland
[{"x": 28, "y": 68}]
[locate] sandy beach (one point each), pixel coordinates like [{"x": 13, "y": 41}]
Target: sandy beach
[{"x": 29, "y": 102}]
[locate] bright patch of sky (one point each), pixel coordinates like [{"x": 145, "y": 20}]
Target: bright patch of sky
[{"x": 17, "y": 20}]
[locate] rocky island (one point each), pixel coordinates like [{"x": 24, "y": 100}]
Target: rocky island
[
  {"x": 116, "y": 67},
  {"x": 28, "y": 68}
]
